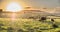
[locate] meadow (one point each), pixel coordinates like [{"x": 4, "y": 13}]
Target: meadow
[{"x": 28, "y": 25}]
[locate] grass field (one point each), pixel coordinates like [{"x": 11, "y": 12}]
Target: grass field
[{"x": 27, "y": 25}]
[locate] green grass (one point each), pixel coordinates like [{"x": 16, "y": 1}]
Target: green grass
[{"x": 28, "y": 25}]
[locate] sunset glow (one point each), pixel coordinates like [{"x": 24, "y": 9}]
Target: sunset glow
[{"x": 13, "y": 7}]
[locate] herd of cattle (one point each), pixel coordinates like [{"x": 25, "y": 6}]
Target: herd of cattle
[{"x": 52, "y": 20}]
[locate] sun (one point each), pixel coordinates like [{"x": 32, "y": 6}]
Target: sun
[{"x": 13, "y": 7}]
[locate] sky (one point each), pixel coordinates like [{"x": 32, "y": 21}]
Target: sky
[
  {"x": 39, "y": 3},
  {"x": 44, "y": 3}
]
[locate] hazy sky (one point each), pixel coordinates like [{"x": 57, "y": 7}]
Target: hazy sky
[
  {"x": 45, "y": 3},
  {"x": 41, "y": 3}
]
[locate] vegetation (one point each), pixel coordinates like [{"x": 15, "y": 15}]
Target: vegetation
[{"x": 28, "y": 25}]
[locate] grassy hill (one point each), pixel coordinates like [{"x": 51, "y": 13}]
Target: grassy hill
[{"x": 27, "y": 25}]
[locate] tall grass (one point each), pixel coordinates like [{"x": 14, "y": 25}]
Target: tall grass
[{"x": 27, "y": 25}]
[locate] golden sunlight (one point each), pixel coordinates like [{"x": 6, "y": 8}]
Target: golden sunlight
[{"x": 13, "y": 7}]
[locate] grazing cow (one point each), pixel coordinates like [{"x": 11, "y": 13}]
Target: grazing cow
[
  {"x": 42, "y": 19},
  {"x": 52, "y": 20}
]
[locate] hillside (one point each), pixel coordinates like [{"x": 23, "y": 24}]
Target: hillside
[{"x": 29, "y": 13}]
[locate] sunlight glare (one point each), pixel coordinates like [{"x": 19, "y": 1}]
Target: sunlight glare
[{"x": 13, "y": 7}]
